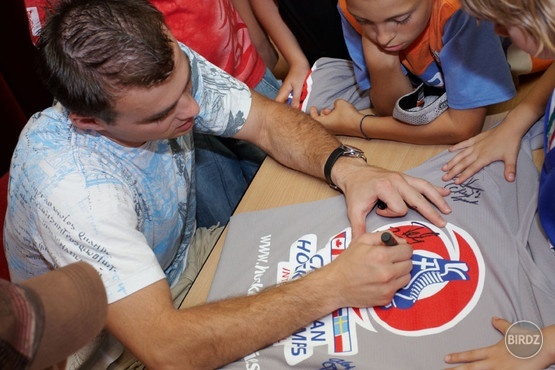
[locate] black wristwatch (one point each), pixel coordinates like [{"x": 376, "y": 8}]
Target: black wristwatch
[{"x": 342, "y": 150}]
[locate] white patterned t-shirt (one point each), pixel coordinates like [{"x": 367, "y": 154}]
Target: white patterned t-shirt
[{"x": 130, "y": 212}]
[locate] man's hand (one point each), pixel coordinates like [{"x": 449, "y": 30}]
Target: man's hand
[
  {"x": 368, "y": 273},
  {"x": 364, "y": 185}
]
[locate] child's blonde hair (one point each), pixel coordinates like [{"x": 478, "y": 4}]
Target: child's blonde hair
[{"x": 536, "y": 17}]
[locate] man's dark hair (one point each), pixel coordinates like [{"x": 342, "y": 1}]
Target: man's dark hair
[{"x": 90, "y": 50}]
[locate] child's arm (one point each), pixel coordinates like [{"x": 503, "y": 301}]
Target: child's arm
[
  {"x": 388, "y": 84},
  {"x": 502, "y": 142},
  {"x": 387, "y": 79},
  {"x": 450, "y": 127},
  {"x": 268, "y": 14},
  {"x": 498, "y": 357},
  {"x": 257, "y": 34}
]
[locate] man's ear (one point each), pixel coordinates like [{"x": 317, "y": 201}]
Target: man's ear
[{"x": 86, "y": 122}]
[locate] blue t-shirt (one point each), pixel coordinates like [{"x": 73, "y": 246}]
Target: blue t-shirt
[
  {"x": 129, "y": 212},
  {"x": 546, "y": 196}
]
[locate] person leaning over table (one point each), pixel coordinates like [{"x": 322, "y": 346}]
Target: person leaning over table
[
  {"x": 402, "y": 49},
  {"x": 224, "y": 166},
  {"x": 106, "y": 176}
]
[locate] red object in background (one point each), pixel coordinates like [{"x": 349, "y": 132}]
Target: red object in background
[{"x": 36, "y": 14}]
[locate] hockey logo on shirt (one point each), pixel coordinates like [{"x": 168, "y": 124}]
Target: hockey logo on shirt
[
  {"x": 427, "y": 271},
  {"x": 446, "y": 279}
]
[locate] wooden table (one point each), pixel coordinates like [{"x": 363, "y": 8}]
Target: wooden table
[{"x": 275, "y": 186}]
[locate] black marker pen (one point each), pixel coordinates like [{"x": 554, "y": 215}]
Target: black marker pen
[{"x": 388, "y": 239}]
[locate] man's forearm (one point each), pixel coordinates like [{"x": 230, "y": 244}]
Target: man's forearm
[
  {"x": 292, "y": 137},
  {"x": 212, "y": 335}
]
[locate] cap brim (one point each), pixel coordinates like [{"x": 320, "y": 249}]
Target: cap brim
[{"x": 75, "y": 308}]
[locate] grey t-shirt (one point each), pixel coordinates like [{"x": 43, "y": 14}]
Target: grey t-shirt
[{"x": 492, "y": 259}]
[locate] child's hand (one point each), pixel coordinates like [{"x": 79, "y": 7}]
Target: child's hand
[
  {"x": 339, "y": 119},
  {"x": 500, "y": 143},
  {"x": 293, "y": 82},
  {"x": 498, "y": 357}
]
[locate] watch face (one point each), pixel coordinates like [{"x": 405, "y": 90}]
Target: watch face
[
  {"x": 351, "y": 148},
  {"x": 353, "y": 152}
]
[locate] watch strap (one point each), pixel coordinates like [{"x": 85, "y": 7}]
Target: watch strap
[
  {"x": 334, "y": 156},
  {"x": 340, "y": 151}
]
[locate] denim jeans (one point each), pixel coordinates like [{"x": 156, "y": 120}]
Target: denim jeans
[
  {"x": 226, "y": 166},
  {"x": 269, "y": 85}
]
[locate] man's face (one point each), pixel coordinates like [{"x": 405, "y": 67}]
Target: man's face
[
  {"x": 391, "y": 24},
  {"x": 162, "y": 112}
]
